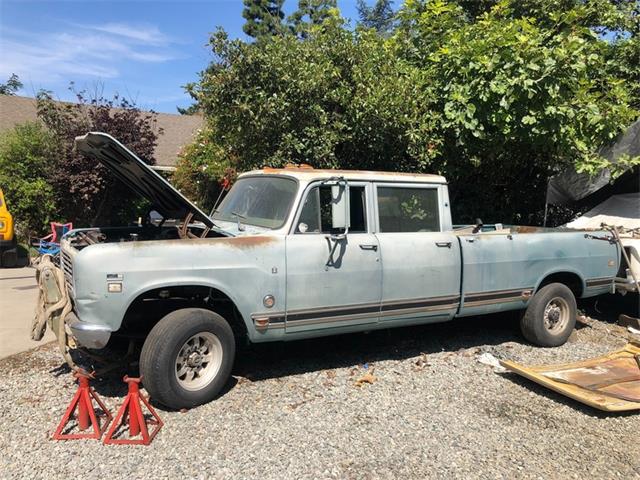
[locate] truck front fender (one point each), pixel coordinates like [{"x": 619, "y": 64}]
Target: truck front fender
[{"x": 145, "y": 289}]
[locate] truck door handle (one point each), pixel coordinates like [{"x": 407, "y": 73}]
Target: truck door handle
[
  {"x": 369, "y": 247},
  {"x": 444, "y": 244}
]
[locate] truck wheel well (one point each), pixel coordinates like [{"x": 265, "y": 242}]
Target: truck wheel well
[
  {"x": 153, "y": 305},
  {"x": 571, "y": 280}
]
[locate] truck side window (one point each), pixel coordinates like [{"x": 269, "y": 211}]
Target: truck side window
[
  {"x": 406, "y": 209},
  {"x": 316, "y": 211}
]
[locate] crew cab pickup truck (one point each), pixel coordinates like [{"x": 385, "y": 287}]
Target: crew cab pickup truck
[{"x": 295, "y": 253}]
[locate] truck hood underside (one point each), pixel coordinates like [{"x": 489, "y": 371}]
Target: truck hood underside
[{"x": 139, "y": 177}]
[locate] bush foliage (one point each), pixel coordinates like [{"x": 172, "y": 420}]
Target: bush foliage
[
  {"x": 92, "y": 196},
  {"x": 27, "y": 154},
  {"x": 45, "y": 180},
  {"x": 203, "y": 170},
  {"x": 495, "y": 95}
]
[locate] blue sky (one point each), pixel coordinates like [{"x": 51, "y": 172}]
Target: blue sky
[{"x": 145, "y": 50}]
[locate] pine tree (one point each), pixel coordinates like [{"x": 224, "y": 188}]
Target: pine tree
[
  {"x": 264, "y": 17},
  {"x": 380, "y": 16},
  {"x": 12, "y": 85},
  {"x": 311, "y": 12}
]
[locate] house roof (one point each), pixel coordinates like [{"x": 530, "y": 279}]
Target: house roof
[{"x": 178, "y": 130}]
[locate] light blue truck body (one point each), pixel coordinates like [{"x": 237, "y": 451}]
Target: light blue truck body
[{"x": 375, "y": 279}]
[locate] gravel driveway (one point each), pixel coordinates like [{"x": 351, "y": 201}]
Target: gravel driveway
[{"x": 294, "y": 411}]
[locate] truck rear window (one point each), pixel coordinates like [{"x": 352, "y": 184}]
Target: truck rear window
[{"x": 407, "y": 209}]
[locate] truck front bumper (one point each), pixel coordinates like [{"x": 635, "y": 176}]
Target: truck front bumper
[{"x": 87, "y": 334}]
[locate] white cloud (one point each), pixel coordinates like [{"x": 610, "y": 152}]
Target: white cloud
[
  {"x": 81, "y": 52},
  {"x": 145, "y": 34}
]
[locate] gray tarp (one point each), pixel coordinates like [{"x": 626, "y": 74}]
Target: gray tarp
[
  {"x": 618, "y": 210},
  {"x": 569, "y": 186}
]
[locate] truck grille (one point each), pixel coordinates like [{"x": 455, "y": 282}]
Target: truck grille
[{"x": 67, "y": 269}]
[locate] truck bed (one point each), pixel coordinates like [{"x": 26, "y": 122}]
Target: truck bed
[{"x": 502, "y": 268}]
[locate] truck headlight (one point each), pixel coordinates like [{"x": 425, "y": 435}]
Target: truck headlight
[{"x": 2, "y": 225}]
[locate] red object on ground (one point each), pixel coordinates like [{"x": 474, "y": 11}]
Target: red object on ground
[
  {"x": 86, "y": 415},
  {"x": 131, "y": 413}
]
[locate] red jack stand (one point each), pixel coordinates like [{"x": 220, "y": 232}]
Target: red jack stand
[
  {"x": 131, "y": 412},
  {"x": 85, "y": 411}
]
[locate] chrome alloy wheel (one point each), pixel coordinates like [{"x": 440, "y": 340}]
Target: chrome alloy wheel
[
  {"x": 198, "y": 361},
  {"x": 556, "y": 315}
]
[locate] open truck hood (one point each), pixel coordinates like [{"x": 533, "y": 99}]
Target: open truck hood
[{"x": 139, "y": 177}]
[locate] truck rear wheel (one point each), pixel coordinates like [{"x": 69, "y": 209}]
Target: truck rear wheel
[
  {"x": 187, "y": 358},
  {"x": 550, "y": 316}
]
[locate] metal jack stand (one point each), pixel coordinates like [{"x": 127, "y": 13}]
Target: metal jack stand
[
  {"x": 131, "y": 413},
  {"x": 82, "y": 401}
]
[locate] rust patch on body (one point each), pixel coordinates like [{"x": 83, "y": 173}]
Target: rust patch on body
[
  {"x": 324, "y": 171},
  {"x": 237, "y": 242},
  {"x": 529, "y": 229},
  {"x": 249, "y": 241}
]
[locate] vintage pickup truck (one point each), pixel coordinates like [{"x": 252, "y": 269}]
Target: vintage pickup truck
[{"x": 295, "y": 253}]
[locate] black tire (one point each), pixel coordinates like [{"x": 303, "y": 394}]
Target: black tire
[
  {"x": 10, "y": 258},
  {"x": 544, "y": 329},
  {"x": 167, "y": 340}
]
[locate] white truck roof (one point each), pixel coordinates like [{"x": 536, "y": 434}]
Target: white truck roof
[{"x": 307, "y": 174}]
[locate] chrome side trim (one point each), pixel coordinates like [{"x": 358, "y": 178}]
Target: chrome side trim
[
  {"x": 353, "y": 312},
  {"x": 599, "y": 282},
  {"x": 497, "y": 296}
]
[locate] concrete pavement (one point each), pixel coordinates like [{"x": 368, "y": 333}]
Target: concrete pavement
[{"x": 18, "y": 294}]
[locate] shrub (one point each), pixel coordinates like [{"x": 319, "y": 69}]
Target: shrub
[{"x": 28, "y": 153}]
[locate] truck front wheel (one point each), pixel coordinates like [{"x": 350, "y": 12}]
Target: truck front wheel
[
  {"x": 187, "y": 358},
  {"x": 550, "y": 316}
]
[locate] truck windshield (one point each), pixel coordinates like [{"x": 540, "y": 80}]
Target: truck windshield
[{"x": 260, "y": 201}]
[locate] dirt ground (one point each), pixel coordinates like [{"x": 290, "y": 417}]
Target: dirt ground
[
  {"x": 18, "y": 294},
  {"x": 294, "y": 410}
]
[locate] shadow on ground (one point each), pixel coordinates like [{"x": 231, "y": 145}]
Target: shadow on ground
[
  {"x": 608, "y": 308},
  {"x": 281, "y": 359},
  {"x": 263, "y": 361}
]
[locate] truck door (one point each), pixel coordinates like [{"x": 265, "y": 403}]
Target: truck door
[
  {"x": 325, "y": 290},
  {"x": 421, "y": 263}
]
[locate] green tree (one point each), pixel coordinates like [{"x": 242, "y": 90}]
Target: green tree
[
  {"x": 27, "y": 156},
  {"x": 521, "y": 99},
  {"x": 11, "y": 86},
  {"x": 337, "y": 98},
  {"x": 312, "y": 12},
  {"x": 380, "y": 16},
  {"x": 190, "y": 110},
  {"x": 496, "y": 100},
  {"x": 264, "y": 18},
  {"x": 87, "y": 193},
  {"x": 203, "y": 168}
]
